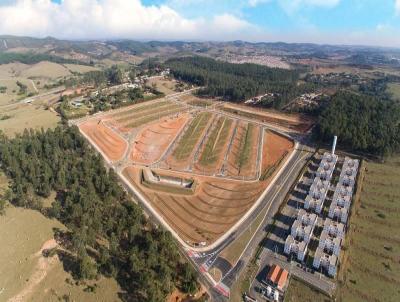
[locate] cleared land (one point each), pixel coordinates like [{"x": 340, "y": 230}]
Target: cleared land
[
  {"x": 153, "y": 140},
  {"x": 187, "y": 138},
  {"x": 108, "y": 141},
  {"x": 133, "y": 118},
  {"x": 290, "y": 122},
  {"x": 165, "y": 86},
  {"x": 198, "y": 217},
  {"x": 278, "y": 147}
]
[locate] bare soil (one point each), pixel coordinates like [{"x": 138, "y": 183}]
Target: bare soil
[{"x": 108, "y": 141}]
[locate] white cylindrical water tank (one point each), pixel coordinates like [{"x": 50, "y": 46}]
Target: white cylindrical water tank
[{"x": 334, "y": 144}]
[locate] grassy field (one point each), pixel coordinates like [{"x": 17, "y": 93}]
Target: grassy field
[
  {"x": 299, "y": 291},
  {"x": 245, "y": 146},
  {"x": 155, "y": 115},
  {"x": 24, "y": 116},
  {"x": 137, "y": 109},
  {"x": 371, "y": 267},
  {"x": 80, "y": 68},
  {"x": 25, "y": 273},
  {"x": 163, "y": 85},
  {"x": 216, "y": 141},
  {"x": 11, "y": 93},
  {"x": 370, "y": 261},
  {"x": 191, "y": 136},
  {"x": 142, "y": 111},
  {"x": 45, "y": 70},
  {"x": 394, "y": 89}
]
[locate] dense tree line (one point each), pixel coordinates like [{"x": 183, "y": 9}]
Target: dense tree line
[
  {"x": 361, "y": 122},
  {"x": 33, "y": 58},
  {"x": 109, "y": 234},
  {"x": 238, "y": 82}
]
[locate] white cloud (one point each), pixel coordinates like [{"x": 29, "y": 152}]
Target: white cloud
[
  {"x": 99, "y": 19},
  {"x": 397, "y": 7},
  {"x": 254, "y": 3},
  {"x": 291, "y": 6}
]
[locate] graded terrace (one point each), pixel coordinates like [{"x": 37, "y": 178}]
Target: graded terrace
[{"x": 199, "y": 170}]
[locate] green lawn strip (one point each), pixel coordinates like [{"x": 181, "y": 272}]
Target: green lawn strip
[
  {"x": 215, "y": 142},
  {"x": 191, "y": 136},
  {"x": 139, "y": 109},
  {"x": 141, "y": 113},
  {"x": 245, "y": 146}
]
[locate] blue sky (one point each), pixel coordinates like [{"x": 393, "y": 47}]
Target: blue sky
[{"x": 368, "y": 22}]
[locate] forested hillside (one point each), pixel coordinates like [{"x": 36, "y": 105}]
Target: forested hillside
[
  {"x": 361, "y": 122},
  {"x": 238, "y": 82},
  {"x": 109, "y": 234},
  {"x": 32, "y": 58}
]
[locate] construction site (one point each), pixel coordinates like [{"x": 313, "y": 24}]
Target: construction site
[{"x": 192, "y": 165}]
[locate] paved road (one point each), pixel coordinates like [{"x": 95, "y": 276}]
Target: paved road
[{"x": 273, "y": 199}]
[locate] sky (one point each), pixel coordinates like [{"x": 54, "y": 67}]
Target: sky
[{"x": 361, "y": 22}]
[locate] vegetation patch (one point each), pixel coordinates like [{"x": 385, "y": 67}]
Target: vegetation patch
[
  {"x": 245, "y": 146},
  {"x": 216, "y": 141},
  {"x": 377, "y": 276},
  {"x": 191, "y": 136},
  {"x": 107, "y": 233}
]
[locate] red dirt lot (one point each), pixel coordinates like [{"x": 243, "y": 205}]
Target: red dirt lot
[
  {"x": 152, "y": 141},
  {"x": 248, "y": 170},
  {"x": 109, "y": 142},
  {"x": 275, "y": 148},
  {"x": 197, "y": 217}
]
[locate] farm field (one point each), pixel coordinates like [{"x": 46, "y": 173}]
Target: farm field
[
  {"x": 14, "y": 119},
  {"x": 165, "y": 86},
  {"x": 34, "y": 76},
  {"x": 160, "y": 145}
]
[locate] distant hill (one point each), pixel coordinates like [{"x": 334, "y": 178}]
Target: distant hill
[{"x": 121, "y": 49}]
